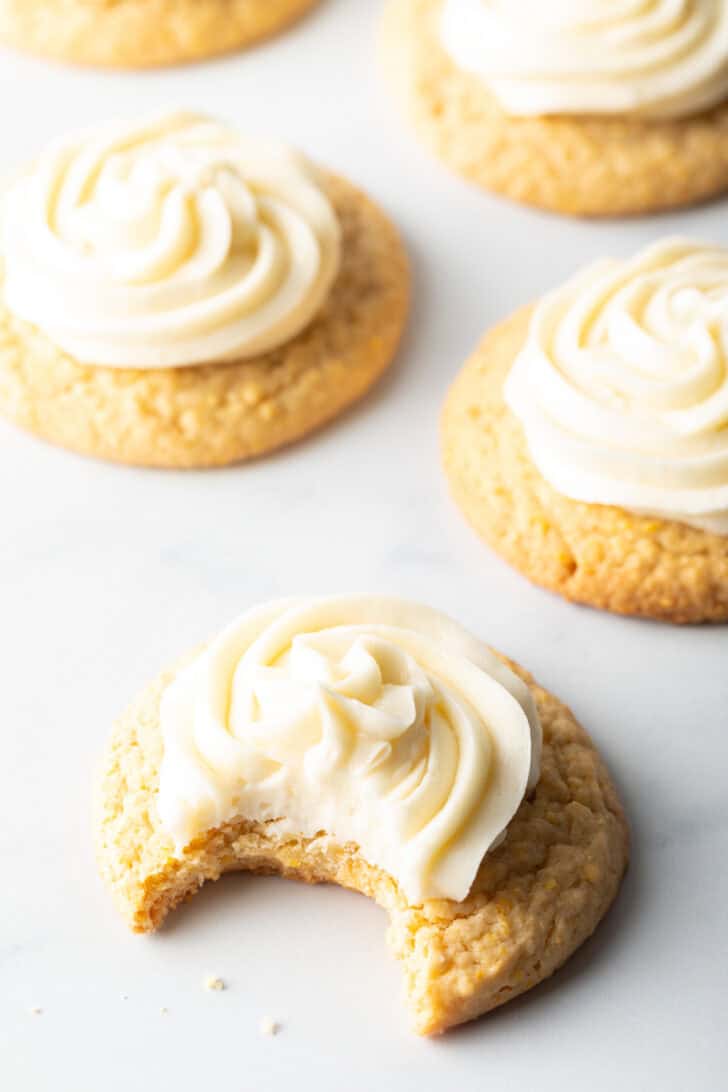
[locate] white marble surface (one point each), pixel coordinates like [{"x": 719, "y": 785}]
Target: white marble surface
[{"x": 107, "y": 574}]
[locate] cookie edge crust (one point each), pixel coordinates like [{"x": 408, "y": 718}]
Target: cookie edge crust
[
  {"x": 590, "y": 167},
  {"x": 135, "y": 861},
  {"x": 119, "y": 38},
  {"x": 597, "y": 555},
  {"x": 220, "y": 414}
]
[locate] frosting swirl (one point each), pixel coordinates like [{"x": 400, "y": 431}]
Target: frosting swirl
[
  {"x": 375, "y": 721},
  {"x": 169, "y": 242},
  {"x": 651, "y": 59},
  {"x": 622, "y": 385}
]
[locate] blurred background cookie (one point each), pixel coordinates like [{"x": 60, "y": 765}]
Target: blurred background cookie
[
  {"x": 574, "y": 108},
  {"x": 141, "y": 33}
]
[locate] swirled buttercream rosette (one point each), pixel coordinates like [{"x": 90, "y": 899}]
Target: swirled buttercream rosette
[
  {"x": 175, "y": 293},
  {"x": 382, "y": 723},
  {"x": 622, "y": 385},
  {"x": 652, "y": 59},
  {"x": 170, "y": 242},
  {"x": 376, "y": 745}
]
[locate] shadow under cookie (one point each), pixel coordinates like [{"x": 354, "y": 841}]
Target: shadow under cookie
[
  {"x": 142, "y": 33},
  {"x": 595, "y": 554},
  {"x": 535, "y": 899},
  {"x": 584, "y": 166},
  {"x": 217, "y": 414}
]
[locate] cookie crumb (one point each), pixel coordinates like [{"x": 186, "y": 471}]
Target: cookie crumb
[
  {"x": 214, "y": 983},
  {"x": 36, "y": 1011},
  {"x": 164, "y": 1010},
  {"x": 269, "y": 1027}
]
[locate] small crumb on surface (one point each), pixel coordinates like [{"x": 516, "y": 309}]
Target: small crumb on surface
[
  {"x": 164, "y": 1010},
  {"x": 214, "y": 983},
  {"x": 125, "y": 997},
  {"x": 269, "y": 1027},
  {"x": 36, "y": 1011}
]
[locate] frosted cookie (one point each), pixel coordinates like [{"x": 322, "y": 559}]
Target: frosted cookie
[
  {"x": 587, "y": 438},
  {"x": 175, "y": 294},
  {"x": 583, "y": 107},
  {"x": 374, "y": 744},
  {"x": 141, "y": 33}
]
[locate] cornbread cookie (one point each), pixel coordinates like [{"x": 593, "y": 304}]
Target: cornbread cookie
[
  {"x": 581, "y": 165},
  {"x": 535, "y": 898},
  {"x": 141, "y": 33},
  {"x": 595, "y": 554},
  {"x": 337, "y": 313}
]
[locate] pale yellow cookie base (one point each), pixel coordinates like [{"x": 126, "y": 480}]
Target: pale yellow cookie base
[
  {"x": 535, "y": 900},
  {"x": 219, "y": 414},
  {"x": 589, "y": 553},
  {"x": 581, "y": 166},
  {"x": 141, "y": 33}
]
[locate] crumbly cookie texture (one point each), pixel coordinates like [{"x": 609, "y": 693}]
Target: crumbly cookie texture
[
  {"x": 141, "y": 33},
  {"x": 223, "y": 413},
  {"x": 595, "y": 554},
  {"x": 580, "y": 166},
  {"x": 535, "y": 900}
]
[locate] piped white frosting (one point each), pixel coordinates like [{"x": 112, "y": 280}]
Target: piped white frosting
[
  {"x": 168, "y": 242},
  {"x": 381, "y": 723},
  {"x": 622, "y": 385},
  {"x": 651, "y": 59}
]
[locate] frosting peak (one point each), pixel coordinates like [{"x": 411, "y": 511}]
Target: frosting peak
[
  {"x": 169, "y": 242},
  {"x": 643, "y": 58},
  {"x": 622, "y": 385},
  {"x": 376, "y": 721}
]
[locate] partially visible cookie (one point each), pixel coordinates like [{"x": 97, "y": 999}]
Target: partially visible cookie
[
  {"x": 580, "y": 165},
  {"x": 141, "y": 33},
  {"x": 534, "y": 899},
  {"x": 595, "y": 554},
  {"x": 217, "y": 413}
]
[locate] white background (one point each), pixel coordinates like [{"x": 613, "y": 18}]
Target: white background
[{"x": 109, "y": 573}]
